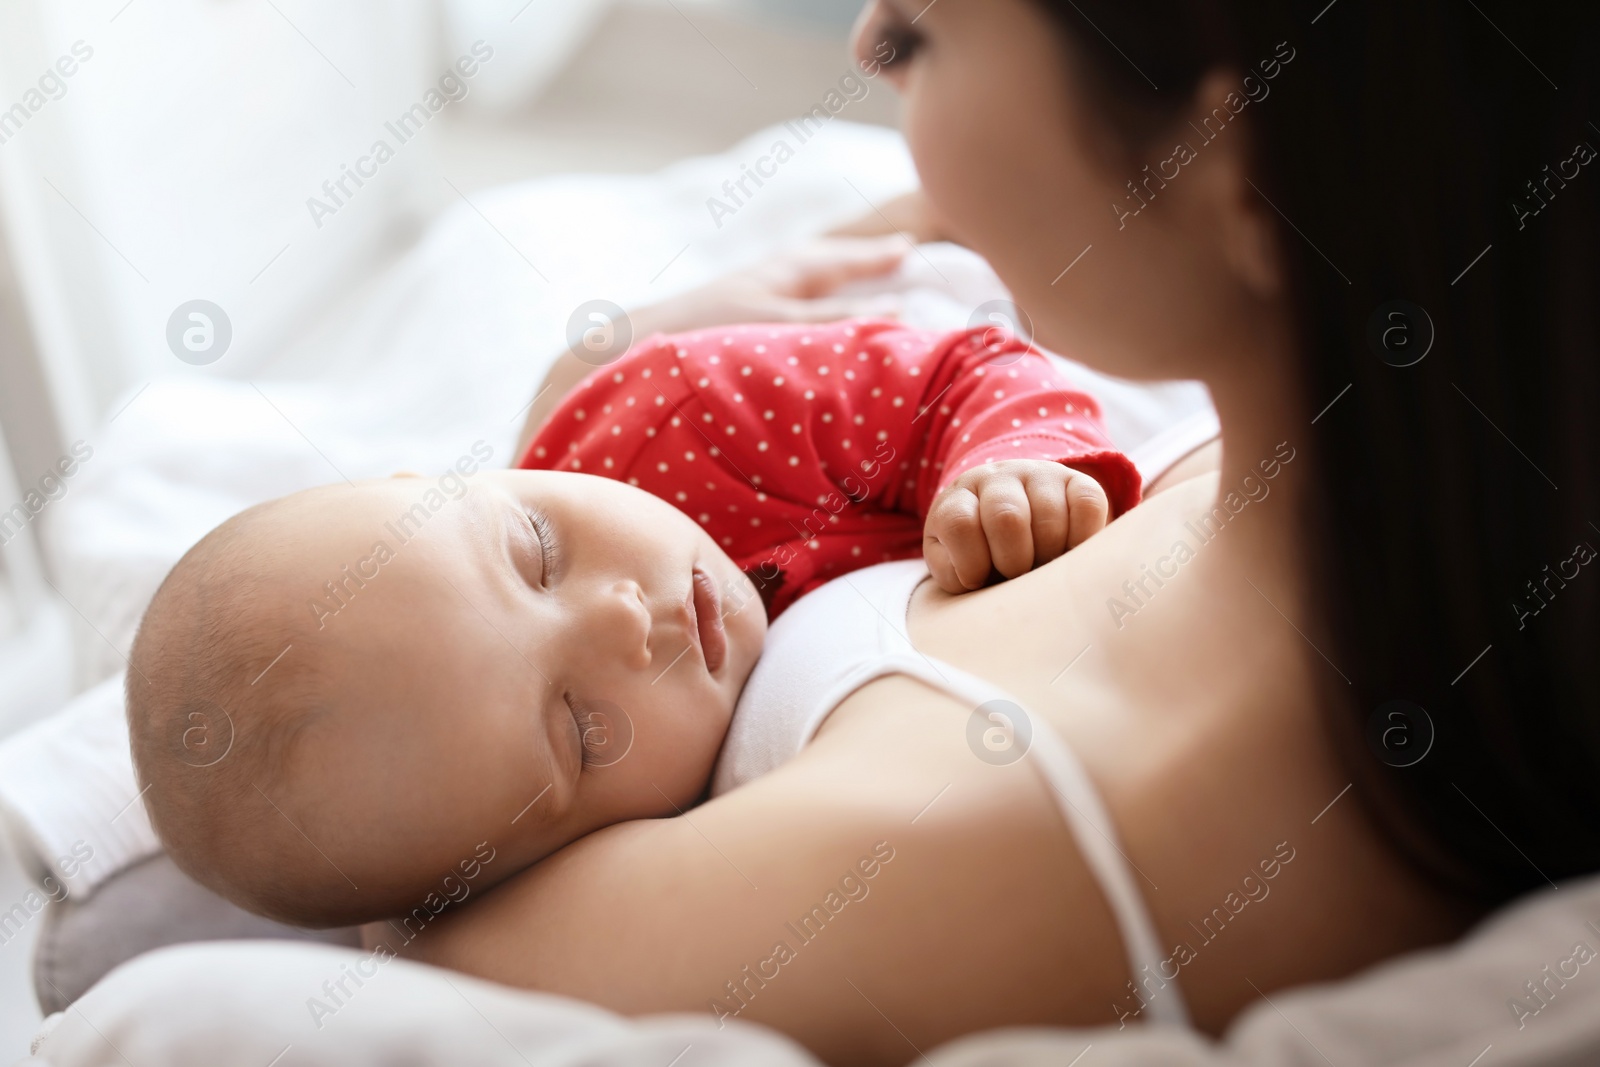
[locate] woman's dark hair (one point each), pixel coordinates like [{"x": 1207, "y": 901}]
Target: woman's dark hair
[{"x": 1441, "y": 153}]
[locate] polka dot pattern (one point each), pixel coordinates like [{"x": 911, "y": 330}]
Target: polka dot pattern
[{"x": 743, "y": 428}]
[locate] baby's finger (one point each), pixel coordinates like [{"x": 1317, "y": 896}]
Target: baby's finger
[
  {"x": 937, "y": 557},
  {"x": 955, "y": 527},
  {"x": 1003, "y": 508},
  {"x": 1047, "y": 500},
  {"x": 1088, "y": 508}
]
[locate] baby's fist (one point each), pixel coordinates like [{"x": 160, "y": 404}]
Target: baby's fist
[{"x": 1009, "y": 517}]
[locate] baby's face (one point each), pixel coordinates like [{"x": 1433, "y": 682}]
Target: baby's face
[{"x": 546, "y": 655}]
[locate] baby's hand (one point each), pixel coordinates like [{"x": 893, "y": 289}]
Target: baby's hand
[{"x": 1009, "y": 517}]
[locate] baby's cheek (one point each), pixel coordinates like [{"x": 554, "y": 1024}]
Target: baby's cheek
[{"x": 670, "y": 770}]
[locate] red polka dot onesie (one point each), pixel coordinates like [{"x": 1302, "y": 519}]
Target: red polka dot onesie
[{"x": 810, "y": 451}]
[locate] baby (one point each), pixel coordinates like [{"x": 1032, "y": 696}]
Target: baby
[{"x": 504, "y": 666}]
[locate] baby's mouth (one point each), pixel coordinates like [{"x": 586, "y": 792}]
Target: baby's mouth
[{"x": 705, "y": 607}]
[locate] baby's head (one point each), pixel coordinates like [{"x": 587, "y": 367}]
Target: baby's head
[{"x": 336, "y": 697}]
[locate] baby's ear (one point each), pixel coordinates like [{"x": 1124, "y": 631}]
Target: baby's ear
[{"x": 405, "y": 474}]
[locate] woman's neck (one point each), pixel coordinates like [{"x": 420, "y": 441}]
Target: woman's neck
[{"x": 1265, "y": 473}]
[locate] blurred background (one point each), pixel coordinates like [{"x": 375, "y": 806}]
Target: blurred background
[
  {"x": 155, "y": 153},
  {"x": 177, "y": 161}
]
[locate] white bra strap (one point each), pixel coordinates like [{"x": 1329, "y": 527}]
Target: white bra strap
[{"x": 1091, "y": 826}]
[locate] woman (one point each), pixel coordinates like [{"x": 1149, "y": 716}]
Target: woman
[{"x": 1356, "y": 712}]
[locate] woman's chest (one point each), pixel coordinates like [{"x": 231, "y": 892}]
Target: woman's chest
[{"x": 1087, "y": 630}]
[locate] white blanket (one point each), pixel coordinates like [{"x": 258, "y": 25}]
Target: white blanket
[
  {"x": 442, "y": 350},
  {"x": 238, "y": 1004}
]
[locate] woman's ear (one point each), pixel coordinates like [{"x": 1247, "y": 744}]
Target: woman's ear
[{"x": 1247, "y": 224}]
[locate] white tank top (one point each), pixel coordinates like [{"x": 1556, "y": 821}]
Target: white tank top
[{"x": 852, "y": 631}]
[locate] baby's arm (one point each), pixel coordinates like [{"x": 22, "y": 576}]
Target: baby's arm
[
  {"x": 1017, "y": 467},
  {"x": 809, "y": 451},
  {"x": 900, "y": 420},
  {"x": 1013, "y": 515}
]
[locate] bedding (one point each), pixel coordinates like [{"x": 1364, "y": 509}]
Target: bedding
[{"x": 252, "y": 1004}]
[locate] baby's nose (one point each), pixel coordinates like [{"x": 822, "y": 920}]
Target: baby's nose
[{"x": 631, "y": 625}]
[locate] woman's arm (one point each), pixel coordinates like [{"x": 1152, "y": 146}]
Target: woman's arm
[
  {"x": 829, "y": 899},
  {"x": 910, "y": 215},
  {"x": 798, "y": 286}
]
